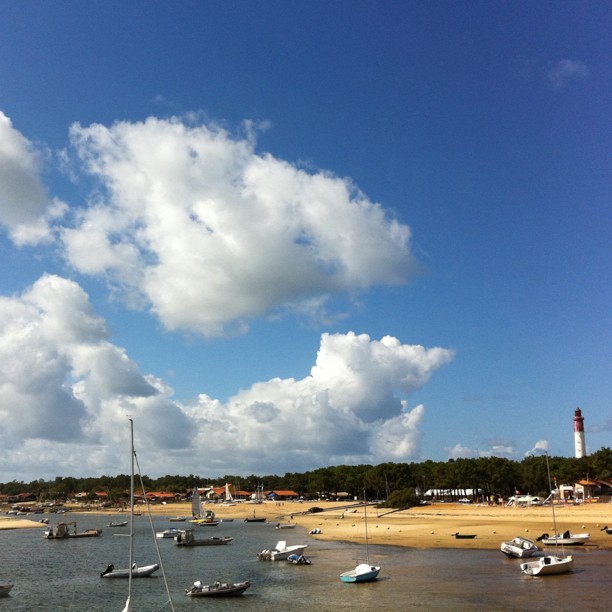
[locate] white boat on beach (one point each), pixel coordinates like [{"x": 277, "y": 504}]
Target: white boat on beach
[
  {"x": 564, "y": 539},
  {"x": 281, "y": 551},
  {"x": 519, "y": 547}
]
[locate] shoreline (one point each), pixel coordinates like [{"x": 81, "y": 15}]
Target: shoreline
[{"x": 419, "y": 527}]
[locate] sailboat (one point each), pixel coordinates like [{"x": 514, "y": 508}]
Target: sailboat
[
  {"x": 132, "y": 570},
  {"x": 549, "y": 564},
  {"x": 363, "y": 572}
]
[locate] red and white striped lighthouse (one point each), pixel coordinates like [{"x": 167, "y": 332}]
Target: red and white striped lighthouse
[{"x": 579, "y": 443}]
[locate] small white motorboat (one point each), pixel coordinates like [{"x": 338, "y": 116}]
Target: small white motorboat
[
  {"x": 281, "y": 551},
  {"x": 564, "y": 539},
  {"x": 168, "y": 533},
  {"x": 519, "y": 547}
]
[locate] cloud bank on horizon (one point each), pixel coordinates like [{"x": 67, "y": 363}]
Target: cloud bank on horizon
[{"x": 192, "y": 225}]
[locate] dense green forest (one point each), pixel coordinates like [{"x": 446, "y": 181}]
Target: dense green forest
[{"x": 495, "y": 476}]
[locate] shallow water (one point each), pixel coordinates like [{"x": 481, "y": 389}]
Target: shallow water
[{"x": 64, "y": 575}]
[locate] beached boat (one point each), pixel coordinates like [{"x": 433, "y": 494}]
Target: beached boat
[
  {"x": 132, "y": 570},
  {"x": 463, "y": 536},
  {"x": 217, "y": 589},
  {"x": 362, "y": 572},
  {"x": 519, "y": 548},
  {"x": 185, "y": 537},
  {"x": 62, "y": 532},
  {"x": 201, "y": 517},
  {"x": 255, "y": 519},
  {"x": 607, "y": 529},
  {"x": 285, "y": 525},
  {"x": 564, "y": 539},
  {"x": 281, "y": 551},
  {"x": 549, "y": 565},
  {"x": 5, "y": 589}
]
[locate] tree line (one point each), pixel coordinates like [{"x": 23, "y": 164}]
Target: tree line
[{"x": 494, "y": 476}]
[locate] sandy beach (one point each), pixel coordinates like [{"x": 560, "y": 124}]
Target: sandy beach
[{"x": 423, "y": 527}]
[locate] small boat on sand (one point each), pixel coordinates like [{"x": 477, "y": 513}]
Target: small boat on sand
[
  {"x": 519, "y": 547},
  {"x": 463, "y": 536},
  {"x": 564, "y": 539},
  {"x": 217, "y": 589},
  {"x": 285, "y": 525}
]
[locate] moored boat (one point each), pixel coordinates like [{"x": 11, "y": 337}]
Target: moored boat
[
  {"x": 363, "y": 572},
  {"x": 281, "y": 551},
  {"x": 185, "y": 537},
  {"x": 298, "y": 559},
  {"x": 137, "y": 571},
  {"x": 5, "y": 589},
  {"x": 548, "y": 565},
  {"x": 117, "y": 524},
  {"x": 167, "y": 533},
  {"x": 62, "y": 532},
  {"x": 217, "y": 589}
]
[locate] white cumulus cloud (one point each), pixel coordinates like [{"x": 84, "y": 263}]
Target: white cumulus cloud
[
  {"x": 66, "y": 389},
  {"x": 197, "y": 226},
  {"x": 24, "y": 207}
]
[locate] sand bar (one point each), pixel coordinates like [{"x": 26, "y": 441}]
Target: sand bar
[{"x": 423, "y": 527}]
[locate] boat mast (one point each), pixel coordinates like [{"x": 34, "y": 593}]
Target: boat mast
[
  {"x": 365, "y": 520},
  {"x": 552, "y": 504},
  {"x": 128, "y": 605}
]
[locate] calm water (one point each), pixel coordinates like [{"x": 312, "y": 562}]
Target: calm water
[{"x": 64, "y": 575}]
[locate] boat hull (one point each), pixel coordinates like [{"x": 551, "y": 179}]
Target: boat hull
[
  {"x": 218, "y": 590},
  {"x": 137, "y": 572},
  {"x": 5, "y": 589},
  {"x": 362, "y": 573},
  {"x": 519, "y": 548},
  {"x": 577, "y": 539},
  {"x": 548, "y": 565}
]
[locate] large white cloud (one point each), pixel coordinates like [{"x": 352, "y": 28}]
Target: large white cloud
[
  {"x": 195, "y": 225},
  {"x": 24, "y": 208},
  {"x": 60, "y": 377},
  {"x": 65, "y": 392}
]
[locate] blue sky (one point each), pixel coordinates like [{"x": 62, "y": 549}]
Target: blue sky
[{"x": 282, "y": 235}]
